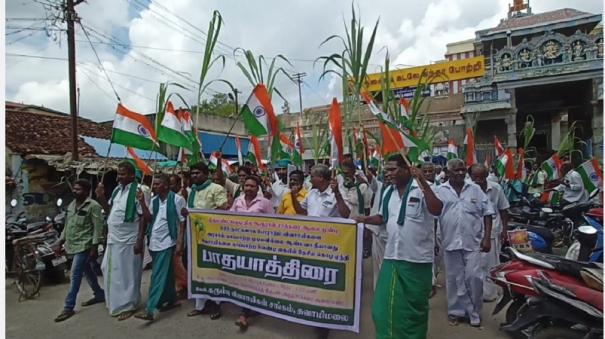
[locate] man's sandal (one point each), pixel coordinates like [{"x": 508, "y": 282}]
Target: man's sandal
[
  {"x": 144, "y": 316},
  {"x": 125, "y": 315}
]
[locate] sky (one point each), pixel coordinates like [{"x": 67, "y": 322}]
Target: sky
[{"x": 142, "y": 43}]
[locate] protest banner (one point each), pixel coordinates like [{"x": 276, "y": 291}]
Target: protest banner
[{"x": 302, "y": 269}]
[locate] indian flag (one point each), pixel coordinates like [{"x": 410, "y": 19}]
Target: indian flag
[
  {"x": 336, "y": 142},
  {"x": 258, "y": 114},
  {"x": 254, "y": 152},
  {"x": 469, "y": 141},
  {"x": 171, "y": 130},
  {"x": 299, "y": 150},
  {"x": 592, "y": 174},
  {"x": 281, "y": 148},
  {"x": 452, "y": 149},
  {"x": 498, "y": 146},
  {"x": 505, "y": 165},
  {"x": 552, "y": 166},
  {"x": 377, "y": 112},
  {"x": 521, "y": 171},
  {"x": 133, "y": 129},
  {"x": 224, "y": 164},
  {"x": 141, "y": 165},
  {"x": 404, "y": 105}
]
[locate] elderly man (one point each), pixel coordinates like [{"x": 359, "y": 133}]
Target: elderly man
[
  {"x": 82, "y": 234},
  {"x": 205, "y": 195},
  {"x": 123, "y": 261},
  {"x": 167, "y": 225},
  {"x": 466, "y": 226},
  {"x": 571, "y": 185},
  {"x": 496, "y": 196},
  {"x": 401, "y": 307}
]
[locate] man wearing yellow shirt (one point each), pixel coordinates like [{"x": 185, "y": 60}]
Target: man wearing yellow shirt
[{"x": 296, "y": 186}]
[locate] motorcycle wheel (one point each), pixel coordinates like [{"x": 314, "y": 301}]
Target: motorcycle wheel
[
  {"x": 557, "y": 332},
  {"x": 28, "y": 277},
  {"x": 513, "y": 310}
]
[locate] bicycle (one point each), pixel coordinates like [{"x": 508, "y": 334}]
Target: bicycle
[{"x": 27, "y": 265}]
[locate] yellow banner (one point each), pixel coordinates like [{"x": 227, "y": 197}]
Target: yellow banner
[
  {"x": 445, "y": 71},
  {"x": 302, "y": 269}
]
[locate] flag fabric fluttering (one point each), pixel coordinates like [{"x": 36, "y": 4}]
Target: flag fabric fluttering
[
  {"x": 404, "y": 106},
  {"x": 240, "y": 157},
  {"x": 592, "y": 174},
  {"x": 336, "y": 142},
  {"x": 299, "y": 150},
  {"x": 552, "y": 167},
  {"x": 505, "y": 165},
  {"x": 469, "y": 141},
  {"x": 171, "y": 129},
  {"x": 133, "y": 129},
  {"x": 498, "y": 147},
  {"x": 224, "y": 164},
  {"x": 254, "y": 153},
  {"x": 139, "y": 163},
  {"x": 452, "y": 149},
  {"x": 258, "y": 115}
]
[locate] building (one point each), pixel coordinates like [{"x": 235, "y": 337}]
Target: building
[{"x": 547, "y": 67}]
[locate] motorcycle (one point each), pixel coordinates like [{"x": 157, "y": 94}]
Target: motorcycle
[
  {"x": 561, "y": 309},
  {"x": 588, "y": 244},
  {"x": 514, "y": 277}
]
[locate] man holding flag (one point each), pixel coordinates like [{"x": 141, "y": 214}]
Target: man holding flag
[{"x": 571, "y": 185}]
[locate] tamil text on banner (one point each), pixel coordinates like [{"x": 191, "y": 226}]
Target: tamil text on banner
[
  {"x": 302, "y": 269},
  {"x": 442, "y": 72}
]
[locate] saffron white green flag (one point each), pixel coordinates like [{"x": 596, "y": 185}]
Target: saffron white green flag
[
  {"x": 501, "y": 163},
  {"x": 452, "y": 150},
  {"x": 592, "y": 174},
  {"x": 132, "y": 129},
  {"x": 551, "y": 167},
  {"x": 171, "y": 130},
  {"x": 258, "y": 114}
]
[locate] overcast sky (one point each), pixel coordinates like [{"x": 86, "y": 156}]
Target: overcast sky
[{"x": 142, "y": 43}]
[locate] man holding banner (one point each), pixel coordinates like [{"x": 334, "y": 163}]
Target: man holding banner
[
  {"x": 400, "y": 308},
  {"x": 205, "y": 195}
]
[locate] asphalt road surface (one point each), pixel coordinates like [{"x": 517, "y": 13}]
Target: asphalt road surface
[{"x": 34, "y": 319}]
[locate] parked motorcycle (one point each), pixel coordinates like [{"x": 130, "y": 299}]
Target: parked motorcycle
[
  {"x": 561, "y": 309},
  {"x": 588, "y": 244},
  {"x": 515, "y": 278}
]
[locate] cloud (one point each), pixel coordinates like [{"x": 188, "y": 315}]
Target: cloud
[{"x": 161, "y": 42}]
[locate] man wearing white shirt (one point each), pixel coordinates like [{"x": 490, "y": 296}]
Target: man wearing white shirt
[
  {"x": 400, "y": 307},
  {"x": 280, "y": 186},
  {"x": 165, "y": 235}
]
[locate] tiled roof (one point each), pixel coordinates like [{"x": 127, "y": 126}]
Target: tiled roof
[
  {"x": 30, "y": 132},
  {"x": 539, "y": 19}
]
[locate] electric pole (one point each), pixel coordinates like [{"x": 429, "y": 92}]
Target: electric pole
[
  {"x": 298, "y": 78},
  {"x": 71, "y": 17}
]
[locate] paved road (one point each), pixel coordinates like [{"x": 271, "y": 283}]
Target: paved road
[{"x": 34, "y": 319}]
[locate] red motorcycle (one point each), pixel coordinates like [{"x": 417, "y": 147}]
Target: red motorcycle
[{"x": 515, "y": 278}]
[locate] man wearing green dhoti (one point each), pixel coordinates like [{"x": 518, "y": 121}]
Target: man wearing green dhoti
[
  {"x": 401, "y": 306},
  {"x": 164, "y": 233}
]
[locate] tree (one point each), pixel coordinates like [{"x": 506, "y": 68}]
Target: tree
[{"x": 219, "y": 105}]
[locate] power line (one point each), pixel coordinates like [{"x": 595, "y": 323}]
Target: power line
[
  {"x": 35, "y": 56},
  {"x": 100, "y": 63}
]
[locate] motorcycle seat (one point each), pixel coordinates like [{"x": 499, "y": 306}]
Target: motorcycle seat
[{"x": 34, "y": 226}]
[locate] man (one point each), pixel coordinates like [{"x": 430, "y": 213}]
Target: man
[
  {"x": 298, "y": 191},
  {"x": 323, "y": 200},
  {"x": 536, "y": 180},
  {"x": 496, "y": 196},
  {"x": 280, "y": 186},
  {"x": 123, "y": 261},
  {"x": 571, "y": 185},
  {"x": 180, "y": 272},
  {"x": 250, "y": 202},
  {"x": 428, "y": 171},
  {"x": 165, "y": 232},
  {"x": 400, "y": 308},
  {"x": 205, "y": 195},
  {"x": 357, "y": 195},
  {"x": 82, "y": 234},
  {"x": 439, "y": 175},
  {"x": 466, "y": 226}
]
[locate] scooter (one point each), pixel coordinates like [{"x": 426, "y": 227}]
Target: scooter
[
  {"x": 561, "y": 310},
  {"x": 515, "y": 277},
  {"x": 588, "y": 244}
]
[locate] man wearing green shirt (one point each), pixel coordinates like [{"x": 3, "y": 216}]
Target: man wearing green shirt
[{"x": 82, "y": 234}]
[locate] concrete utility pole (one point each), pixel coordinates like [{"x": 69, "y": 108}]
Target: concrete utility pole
[
  {"x": 71, "y": 17},
  {"x": 298, "y": 78}
]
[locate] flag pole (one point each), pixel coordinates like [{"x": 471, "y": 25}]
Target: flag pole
[
  {"x": 106, "y": 160},
  {"x": 401, "y": 151}
]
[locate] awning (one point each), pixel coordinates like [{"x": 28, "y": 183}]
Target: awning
[
  {"x": 101, "y": 146},
  {"x": 212, "y": 142}
]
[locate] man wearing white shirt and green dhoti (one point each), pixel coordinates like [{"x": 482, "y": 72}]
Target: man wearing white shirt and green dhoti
[{"x": 123, "y": 261}]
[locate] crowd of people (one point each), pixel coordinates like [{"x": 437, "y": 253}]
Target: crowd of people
[{"x": 418, "y": 219}]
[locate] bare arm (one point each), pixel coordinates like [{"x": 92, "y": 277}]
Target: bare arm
[
  {"x": 297, "y": 207},
  {"x": 433, "y": 204},
  {"x": 486, "y": 242},
  {"x": 101, "y": 198},
  {"x": 343, "y": 209}
]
